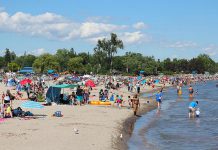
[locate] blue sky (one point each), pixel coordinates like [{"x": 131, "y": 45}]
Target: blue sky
[{"x": 162, "y": 28}]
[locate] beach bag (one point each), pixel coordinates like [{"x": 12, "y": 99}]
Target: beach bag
[
  {"x": 58, "y": 114},
  {"x": 28, "y": 113}
]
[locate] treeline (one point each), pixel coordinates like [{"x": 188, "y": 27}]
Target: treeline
[{"x": 104, "y": 61}]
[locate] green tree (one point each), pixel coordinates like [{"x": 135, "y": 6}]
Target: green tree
[
  {"x": 13, "y": 67},
  {"x": 63, "y": 56},
  {"x": 2, "y": 62},
  {"x": 25, "y": 60},
  {"x": 109, "y": 47},
  {"x": 76, "y": 64},
  {"x": 7, "y": 56},
  {"x": 45, "y": 62}
]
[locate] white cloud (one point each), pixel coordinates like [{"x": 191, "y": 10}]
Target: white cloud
[
  {"x": 140, "y": 25},
  {"x": 211, "y": 50},
  {"x": 95, "y": 39},
  {"x": 88, "y": 29},
  {"x": 134, "y": 37},
  {"x": 38, "y": 52},
  {"x": 126, "y": 37},
  {"x": 54, "y": 26},
  {"x": 180, "y": 44}
]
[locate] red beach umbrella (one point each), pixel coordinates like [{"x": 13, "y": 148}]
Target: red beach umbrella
[
  {"x": 90, "y": 83},
  {"x": 25, "y": 81}
]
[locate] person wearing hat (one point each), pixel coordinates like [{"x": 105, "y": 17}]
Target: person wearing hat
[
  {"x": 192, "y": 108},
  {"x": 135, "y": 103}
]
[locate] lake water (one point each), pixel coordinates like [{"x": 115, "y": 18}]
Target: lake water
[{"x": 170, "y": 128}]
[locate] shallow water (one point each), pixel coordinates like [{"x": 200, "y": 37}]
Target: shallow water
[{"x": 170, "y": 128}]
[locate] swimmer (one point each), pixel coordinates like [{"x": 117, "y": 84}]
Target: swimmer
[{"x": 192, "y": 109}]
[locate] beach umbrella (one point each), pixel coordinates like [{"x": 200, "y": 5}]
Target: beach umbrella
[
  {"x": 32, "y": 105},
  {"x": 90, "y": 83},
  {"x": 25, "y": 81}
]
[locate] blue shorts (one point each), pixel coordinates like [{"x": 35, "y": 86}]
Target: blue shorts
[
  {"x": 79, "y": 98},
  {"x": 158, "y": 100}
]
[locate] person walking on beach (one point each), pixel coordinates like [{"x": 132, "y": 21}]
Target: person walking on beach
[
  {"x": 135, "y": 103},
  {"x": 159, "y": 98},
  {"x": 137, "y": 87},
  {"x": 192, "y": 108}
]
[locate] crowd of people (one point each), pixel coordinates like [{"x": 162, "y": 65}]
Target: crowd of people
[{"x": 112, "y": 90}]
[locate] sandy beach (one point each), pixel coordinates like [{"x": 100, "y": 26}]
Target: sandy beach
[{"x": 99, "y": 127}]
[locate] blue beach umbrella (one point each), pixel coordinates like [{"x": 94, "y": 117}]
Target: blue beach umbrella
[{"x": 32, "y": 104}]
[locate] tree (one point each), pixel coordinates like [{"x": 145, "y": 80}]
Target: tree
[
  {"x": 109, "y": 47},
  {"x": 7, "y": 56},
  {"x": 13, "y": 56},
  {"x": 25, "y": 60},
  {"x": 208, "y": 64},
  {"x": 63, "y": 56},
  {"x": 13, "y": 67},
  {"x": 75, "y": 64},
  {"x": 132, "y": 61},
  {"x": 115, "y": 44},
  {"x": 45, "y": 62},
  {"x": 2, "y": 62}
]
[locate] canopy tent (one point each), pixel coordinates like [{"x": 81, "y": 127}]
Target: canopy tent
[
  {"x": 53, "y": 93},
  {"x": 50, "y": 71},
  {"x": 90, "y": 83},
  {"x": 25, "y": 81},
  {"x": 65, "y": 86}
]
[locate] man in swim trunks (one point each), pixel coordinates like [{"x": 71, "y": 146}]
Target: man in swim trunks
[{"x": 192, "y": 108}]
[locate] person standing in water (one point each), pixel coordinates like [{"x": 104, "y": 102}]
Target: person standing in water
[
  {"x": 135, "y": 103},
  {"x": 159, "y": 98},
  {"x": 192, "y": 108},
  {"x": 191, "y": 91}
]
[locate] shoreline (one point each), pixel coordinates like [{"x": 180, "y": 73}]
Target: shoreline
[{"x": 129, "y": 123}]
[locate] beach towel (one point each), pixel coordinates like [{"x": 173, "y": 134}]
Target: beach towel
[{"x": 2, "y": 120}]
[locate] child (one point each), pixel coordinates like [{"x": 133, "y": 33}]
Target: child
[
  {"x": 130, "y": 102},
  {"x": 118, "y": 101},
  {"x": 197, "y": 112},
  {"x": 8, "y": 111}
]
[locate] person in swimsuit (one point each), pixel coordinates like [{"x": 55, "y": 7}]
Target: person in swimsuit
[{"x": 135, "y": 103}]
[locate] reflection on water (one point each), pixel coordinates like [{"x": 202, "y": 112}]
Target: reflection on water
[{"x": 170, "y": 128}]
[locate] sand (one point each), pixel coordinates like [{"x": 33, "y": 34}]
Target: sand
[{"x": 99, "y": 127}]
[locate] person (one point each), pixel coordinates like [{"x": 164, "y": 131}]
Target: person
[
  {"x": 177, "y": 88},
  {"x": 159, "y": 98},
  {"x": 79, "y": 95},
  {"x": 192, "y": 108},
  {"x": 86, "y": 94},
  {"x": 130, "y": 102},
  {"x": 118, "y": 101},
  {"x": 138, "y": 87},
  {"x": 8, "y": 111},
  {"x": 135, "y": 103},
  {"x": 191, "y": 91}
]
